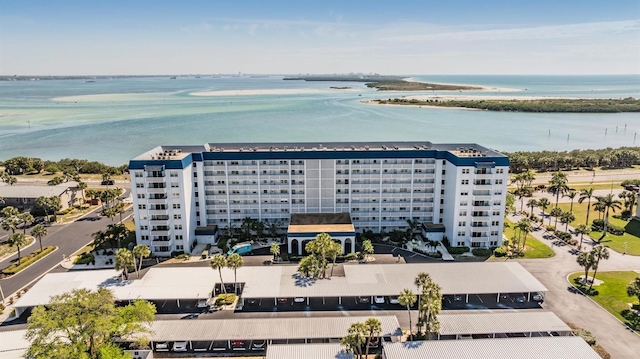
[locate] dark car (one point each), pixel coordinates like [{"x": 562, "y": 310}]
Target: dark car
[
  {"x": 364, "y": 300},
  {"x": 191, "y": 316}
]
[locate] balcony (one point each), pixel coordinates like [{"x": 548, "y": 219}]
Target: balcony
[{"x": 165, "y": 243}]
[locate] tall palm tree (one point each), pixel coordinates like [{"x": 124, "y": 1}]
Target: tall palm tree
[
  {"x": 558, "y": 185},
  {"x": 598, "y": 207},
  {"x": 431, "y": 305},
  {"x": 582, "y": 229},
  {"x": 543, "y": 204},
  {"x": 333, "y": 252},
  {"x": 10, "y": 224},
  {"x": 234, "y": 262},
  {"x": 17, "y": 240},
  {"x": 586, "y": 194},
  {"x": 586, "y": 260},
  {"x": 524, "y": 226},
  {"x": 531, "y": 204},
  {"x": 140, "y": 251},
  {"x": 218, "y": 262},
  {"x": 373, "y": 327},
  {"x": 39, "y": 231},
  {"x": 556, "y": 213},
  {"x": 124, "y": 261},
  {"x": 25, "y": 218},
  {"x": 571, "y": 194},
  {"x": 566, "y": 218},
  {"x": 408, "y": 299},
  {"x": 354, "y": 341},
  {"x": 274, "y": 250},
  {"x": 44, "y": 203},
  {"x": 82, "y": 186},
  {"x": 608, "y": 203},
  {"x": 598, "y": 252}
]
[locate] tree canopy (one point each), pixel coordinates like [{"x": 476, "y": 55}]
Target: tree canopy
[{"x": 85, "y": 324}]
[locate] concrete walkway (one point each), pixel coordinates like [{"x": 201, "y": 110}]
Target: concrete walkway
[{"x": 573, "y": 307}]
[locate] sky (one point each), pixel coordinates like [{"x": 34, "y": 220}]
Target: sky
[{"x": 289, "y": 37}]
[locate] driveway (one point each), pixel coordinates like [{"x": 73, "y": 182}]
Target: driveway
[{"x": 573, "y": 307}]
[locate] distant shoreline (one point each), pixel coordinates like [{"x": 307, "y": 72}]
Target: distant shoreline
[{"x": 393, "y": 83}]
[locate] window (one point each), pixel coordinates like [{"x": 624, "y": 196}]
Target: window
[
  {"x": 175, "y": 195},
  {"x": 494, "y": 233},
  {"x": 498, "y": 181},
  {"x": 461, "y": 234},
  {"x": 144, "y": 228},
  {"x": 179, "y": 247},
  {"x": 179, "y": 237},
  {"x": 465, "y": 181},
  {"x": 500, "y": 170},
  {"x": 495, "y": 223},
  {"x": 176, "y": 206},
  {"x": 174, "y": 184},
  {"x": 177, "y": 226},
  {"x": 142, "y": 206},
  {"x": 463, "y": 213},
  {"x": 138, "y": 174},
  {"x": 462, "y": 223},
  {"x": 173, "y": 174},
  {"x": 140, "y": 195},
  {"x": 465, "y": 171},
  {"x": 139, "y": 185},
  {"x": 465, "y": 193},
  {"x": 496, "y": 213},
  {"x": 461, "y": 244},
  {"x": 177, "y": 216},
  {"x": 144, "y": 238},
  {"x": 463, "y": 203}
]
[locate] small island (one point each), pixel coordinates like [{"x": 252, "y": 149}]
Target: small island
[
  {"x": 340, "y": 87},
  {"x": 593, "y": 105},
  {"x": 387, "y": 83}
]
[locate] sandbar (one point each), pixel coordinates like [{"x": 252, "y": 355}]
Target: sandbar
[{"x": 257, "y": 92}]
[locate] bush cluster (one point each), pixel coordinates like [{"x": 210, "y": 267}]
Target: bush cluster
[
  {"x": 481, "y": 252},
  {"x": 225, "y": 299},
  {"x": 27, "y": 261},
  {"x": 500, "y": 252},
  {"x": 458, "y": 250},
  {"x": 598, "y": 225},
  {"x": 85, "y": 258}
]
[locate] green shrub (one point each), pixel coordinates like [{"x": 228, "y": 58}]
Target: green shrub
[
  {"x": 500, "y": 252},
  {"x": 458, "y": 250},
  {"x": 481, "y": 252},
  {"x": 225, "y": 299},
  {"x": 586, "y": 335},
  {"x": 27, "y": 261},
  {"x": 563, "y": 235},
  {"x": 84, "y": 258},
  {"x": 174, "y": 254},
  {"x": 183, "y": 256},
  {"x": 550, "y": 228},
  {"x": 350, "y": 256}
]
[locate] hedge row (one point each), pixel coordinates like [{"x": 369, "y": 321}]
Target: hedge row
[
  {"x": 458, "y": 250},
  {"x": 598, "y": 225},
  {"x": 27, "y": 261}
]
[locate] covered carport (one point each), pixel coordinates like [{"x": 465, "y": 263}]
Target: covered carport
[
  {"x": 501, "y": 324},
  {"x": 256, "y": 334}
]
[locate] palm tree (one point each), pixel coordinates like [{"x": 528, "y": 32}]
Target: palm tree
[
  {"x": 39, "y": 231},
  {"x": 17, "y": 240},
  {"x": 43, "y": 202},
  {"x": 582, "y": 229},
  {"x": 571, "y": 194},
  {"x": 25, "y": 218},
  {"x": 274, "y": 250},
  {"x": 124, "y": 261},
  {"x": 334, "y": 250},
  {"x": 10, "y": 224},
  {"x": 558, "y": 185},
  {"x": 354, "y": 341},
  {"x": 566, "y": 218},
  {"x": 585, "y": 260},
  {"x": 408, "y": 299},
  {"x": 598, "y": 252},
  {"x": 608, "y": 203},
  {"x": 234, "y": 262},
  {"x": 555, "y": 212},
  {"x": 634, "y": 288},
  {"x": 431, "y": 305},
  {"x": 413, "y": 224},
  {"x": 218, "y": 262},
  {"x": 373, "y": 327},
  {"x": 543, "y": 204},
  {"x": 586, "y": 194},
  {"x": 140, "y": 251},
  {"x": 524, "y": 226},
  {"x": 532, "y": 203},
  {"x": 82, "y": 186}
]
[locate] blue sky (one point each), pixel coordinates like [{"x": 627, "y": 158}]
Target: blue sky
[{"x": 390, "y": 37}]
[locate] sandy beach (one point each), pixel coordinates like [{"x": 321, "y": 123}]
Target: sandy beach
[
  {"x": 481, "y": 88},
  {"x": 481, "y": 97},
  {"x": 257, "y": 92}
]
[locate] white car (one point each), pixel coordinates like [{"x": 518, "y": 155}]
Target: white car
[
  {"x": 394, "y": 300},
  {"x": 378, "y": 300},
  {"x": 162, "y": 347},
  {"x": 180, "y": 346},
  {"x": 298, "y": 300}
]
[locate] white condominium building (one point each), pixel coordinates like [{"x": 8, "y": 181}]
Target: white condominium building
[{"x": 185, "y": 193}]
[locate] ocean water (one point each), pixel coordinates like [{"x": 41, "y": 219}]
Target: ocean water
[{"x": 113, "y": 120}]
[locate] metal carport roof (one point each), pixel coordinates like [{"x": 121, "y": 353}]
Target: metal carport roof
[{"x": 501, "y": 322}]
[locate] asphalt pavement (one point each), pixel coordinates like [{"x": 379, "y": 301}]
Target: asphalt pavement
[{"x": 69, "y": 238}]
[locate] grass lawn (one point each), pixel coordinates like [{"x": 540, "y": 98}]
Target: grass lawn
[
  {"x": 534, "y": 248},
  {"x": 612, "y": 294},
  {"x": 6, "y": 249},
  {"x": 614, "y": 242}
]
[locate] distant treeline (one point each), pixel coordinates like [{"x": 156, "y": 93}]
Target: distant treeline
[
  {"x": 628, "y": 104},
  {"x": 608, "y": 158},
  {"x": 25, "y": 165},
  {"x": 385, "y": 83}
]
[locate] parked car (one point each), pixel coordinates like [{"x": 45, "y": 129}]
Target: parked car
[
  {"x": 374, "y": 343},
  {"x": 364, "y": 300},
  {"x": 299, "y": 299},
  {"x": 378, "y": 300},
  {"x": 282, "y": 300},
  {"x": 258, "y": 345},
  {"x": 162, "y": 347},
  {"x": 520, "y": 298},
  {"x": 457, "y": 298},
  {"x": 237, "y": 345},
  {"x": 180, "y": 346},
  {"x": 537, "y": 297},
  {"x": 202, "y": 303},
  {"x": 394, "y": 299}
]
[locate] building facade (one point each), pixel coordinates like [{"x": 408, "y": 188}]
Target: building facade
[{"x": 177, "y": 189}]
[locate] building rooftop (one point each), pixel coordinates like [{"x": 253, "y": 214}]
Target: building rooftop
[
  {"x": 308, "y": 351},
  {"x": 177, "y": 152},
  {"x": 567, "y": 347},
  {"x": 320, "y": 222},
  {"x": 264, "y": 328},
  {"x": 28, "y": 191},
  {"x": 501, "y": 322},
  {"x": 13, "y": 344}
]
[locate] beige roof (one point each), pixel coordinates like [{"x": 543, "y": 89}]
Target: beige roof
[
  {"x": 501, "y": 322},
  {"x": 506, "y": 348},
  {"x": 321, "y": 228},
  {"x": 13, "y": 344},
  {"x": 308, "y": 351},
  {"x": 264, "y": 328},
  {"x": 19, "y": 191}
]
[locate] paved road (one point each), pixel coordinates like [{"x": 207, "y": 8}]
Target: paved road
[
  {"x": 573, "y": 307},
  {"x": 68, "y": 238}
]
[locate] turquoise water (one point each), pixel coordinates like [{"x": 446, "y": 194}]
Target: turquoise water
[{"x": 113, "y": 120}]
